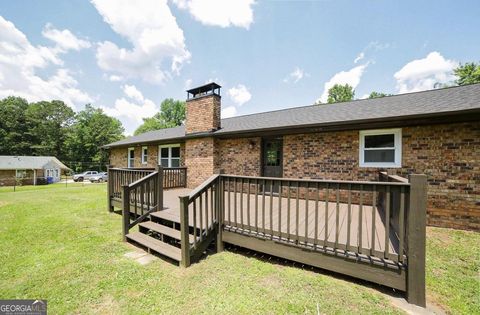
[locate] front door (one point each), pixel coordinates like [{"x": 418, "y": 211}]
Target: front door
[{"x": 272, "y": 159}]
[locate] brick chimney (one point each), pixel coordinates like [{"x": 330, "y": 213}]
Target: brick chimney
[{"x": 203, "y": 109}]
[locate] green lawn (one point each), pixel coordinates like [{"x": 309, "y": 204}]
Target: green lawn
[{"x": 62, "y": 245}]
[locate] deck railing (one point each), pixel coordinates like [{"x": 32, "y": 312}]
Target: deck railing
[
  {"x": 199, "y": 215},
  {"x": 141, "y": 198},
  {"x": 174, "y": 177},
  {"x": 379, "y": 224}
]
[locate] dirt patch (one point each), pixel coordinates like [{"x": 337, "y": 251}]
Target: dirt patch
[
  {"x": 107, "y": 305},
  {"x": 443, "y": 238},
  {"x": 270, "y": 281},
  {"x": 3, "y": 203}
]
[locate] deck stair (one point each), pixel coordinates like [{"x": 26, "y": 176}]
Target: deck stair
[{"x": 161, "y": 234}]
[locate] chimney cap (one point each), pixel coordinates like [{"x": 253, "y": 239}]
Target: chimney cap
[{"x": 206, "y": 89}]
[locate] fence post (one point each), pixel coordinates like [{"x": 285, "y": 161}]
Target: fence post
[
  {"x": 416, "y": 239},
  {"x": 125, "y": 211},
  {"x": 159, "y": 191},
  {"x": 109, "y": 188},
  {"x": 184, "y": 231},
  {"x": 185, "y": 178}
]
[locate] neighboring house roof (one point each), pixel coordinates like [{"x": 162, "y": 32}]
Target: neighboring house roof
[
  {"x": 433, "y": 103},
  {"x": 10, "y": 162}
]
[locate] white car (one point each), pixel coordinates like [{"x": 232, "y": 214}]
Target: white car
[
  {"x": 85, "y": 175},
  {"x": 99, "y": 178}
]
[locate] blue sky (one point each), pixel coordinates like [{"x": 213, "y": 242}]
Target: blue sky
[{"x": 127, "y": 56}]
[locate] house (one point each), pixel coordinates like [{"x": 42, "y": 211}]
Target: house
[
  {"x": 344, "y": 187},
  {"x": 435, "y": 132},
  {"x": 30, "y": 170}
]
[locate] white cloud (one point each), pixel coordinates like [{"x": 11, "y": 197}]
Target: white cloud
[
  {"x": 188, "y": 84},
  {"x": 154, "y": 34},
  {"x": 131, "y": 112},
  {"x": 229, "y": 111},
  {"x": 422, "y": 74},
  {"x": 351, "y": 77},
  {"x": 220, "y": 12},
  {"x": 132, "y": 92},
  {"x": 296, "y": 75},
  {"x": 19, "y": 65},
  {"x": 115, "y": 78},
  {"x": 64, "y": 39},
  {"x": 239, "y": 94},
  {"x": 359, "y": 57}
]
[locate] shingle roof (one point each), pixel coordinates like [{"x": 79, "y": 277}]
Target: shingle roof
[
  {"x": 427, "y": 103},
  {"x": 10, "y": 162}
]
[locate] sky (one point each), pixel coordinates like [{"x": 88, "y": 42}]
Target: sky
[{"x": 127, "y": 56}]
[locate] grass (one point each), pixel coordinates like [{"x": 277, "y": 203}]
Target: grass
[{"x": 62, "y": 245}]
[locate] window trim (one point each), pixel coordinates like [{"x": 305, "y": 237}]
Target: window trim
[
  {"x": 397, "y": 132},
  {"x": 24, "y": 171},
  {"x": 129, "y": 165},
  {"x": 169, "y": 146},
  {"x": 144, "y": 156}
]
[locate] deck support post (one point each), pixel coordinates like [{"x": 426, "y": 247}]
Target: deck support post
[
  {"x": 219, "y": 210},
  {"x": 416, "y": 239},
  {"x": 184, "y": 231},
  {"x": 159, "y": 191},
  {"x": 125, "y": 211},
  {"x": 109, "y": 189}
]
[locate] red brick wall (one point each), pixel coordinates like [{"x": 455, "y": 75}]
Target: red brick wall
[
  {"x": 201, "y": 160},
  {"x": 119, "y": 156},
  {"x": 448, "y": 154},
  {"x": 240, "y": 156},
  {"x": 203, "y": 114}
]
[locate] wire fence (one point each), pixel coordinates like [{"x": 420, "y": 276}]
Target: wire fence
[{"x": 17, "y": 183}]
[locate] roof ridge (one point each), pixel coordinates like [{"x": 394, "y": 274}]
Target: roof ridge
[{"x": 355, "y": 100}]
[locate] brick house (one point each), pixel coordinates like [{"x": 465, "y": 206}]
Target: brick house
[
  {"x": 30, "y": 170},
  {"x": 433, "y": 132}
]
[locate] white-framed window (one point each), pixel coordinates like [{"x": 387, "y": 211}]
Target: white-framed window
[
  {"x": 169, "y": 155},
  {"x": 381, "y": 148},
  {"x": 56, "y": 173},
  {"x": 131, "y": 157},
  {"x": 144, "y": 155},
  {"x": 20, "y": 173}
]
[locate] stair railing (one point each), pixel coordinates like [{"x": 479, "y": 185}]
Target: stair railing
[
  {"x": 199, "y": 213},
  {"x": 141, "y": 198}
]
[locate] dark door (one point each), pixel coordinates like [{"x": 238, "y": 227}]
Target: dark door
[{"x": 272, "y": 156}]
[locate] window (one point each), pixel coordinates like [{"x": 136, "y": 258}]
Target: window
[
  {"x": 21, "y": 173},
  {"x": 144, "y": 155},
  {"x": 381, "y": 148},
  {"x": 169, "y": 155},
  {"x": 131, "y": 157},
  {"x": 56, "y": 173}
]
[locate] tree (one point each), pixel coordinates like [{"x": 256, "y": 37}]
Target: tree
[
  {"x": 49, "y": 125},
  {"x": 92, "y": 130},
  {"x": 15, "y": 135},
  {"x": 340, "y": 93},
  {"x": 468, "y": 73},
  {"x": 378, "y": 94},
  {"x": 172, "y": 114}
]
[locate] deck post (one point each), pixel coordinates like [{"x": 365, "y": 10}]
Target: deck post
[
  {"x": 416, "y": 239},
  {"x": 220, "y": 211},
  {"x": 125, "y": 211},
  {"x": 184, "y": 231},
  {"x": 109, "y": 189},
  {"x": 159, "y": 191}
]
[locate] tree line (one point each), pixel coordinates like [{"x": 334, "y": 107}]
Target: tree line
[
  {"x": 52, "y": 128},
  {"x": 467, "y": 73}
]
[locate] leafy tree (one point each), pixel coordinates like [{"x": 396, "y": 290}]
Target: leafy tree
[
  {"x": 50, "y": 123},
  {"x": 92, "y": 130},
  {"x": 15, "y": 135},
  {"x": 340, "y": 93},
  {"x": 468, "y": 73},
  {"x": 378, "y": 94},
  {"x": 172, "y": 114}
]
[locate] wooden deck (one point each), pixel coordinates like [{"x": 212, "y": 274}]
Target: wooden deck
[{"x": 276, "y": 217}]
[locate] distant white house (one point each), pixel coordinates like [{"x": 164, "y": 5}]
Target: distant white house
[{"x": 29, "y": 169}]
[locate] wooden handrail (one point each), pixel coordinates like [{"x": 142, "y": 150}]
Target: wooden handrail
[
  {"x": 141, "y": 180},
  {"x": 326, "y": 181}
]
